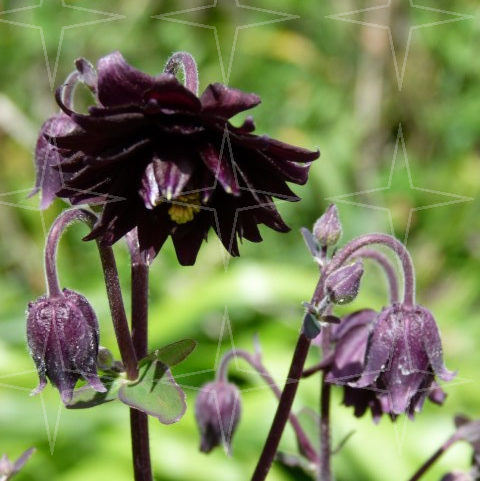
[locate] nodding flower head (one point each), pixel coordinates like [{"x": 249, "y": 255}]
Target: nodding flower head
[
  {"x": 346, "y": 364},
  {"x": 62, "y": 334},
  {"x": 403, "y": 357},
  {"x": 177, "y": 164},
  {"x": 217, "y": 410}
]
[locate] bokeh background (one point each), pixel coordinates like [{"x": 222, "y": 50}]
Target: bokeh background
[{"x": 324, "y": 83}]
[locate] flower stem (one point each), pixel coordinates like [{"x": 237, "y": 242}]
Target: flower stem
[
  {"x": 138, "y": 419},
  {"x": 304, "y": 444},
  {"x": 387, "y": 267},
  {"x": 187, "y": 63},
  {"x": 325, "y": 471},
  {"x": 288, "y": 395},
  {"x": 433, "y": 458},
  {"x": 395, "y": 245},
  {"x": 119, "y": 318}
]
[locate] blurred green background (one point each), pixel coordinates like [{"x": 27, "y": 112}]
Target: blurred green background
[{"x": 323, "y": 83}]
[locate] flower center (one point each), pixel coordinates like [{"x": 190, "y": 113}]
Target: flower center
[{"x": 187, "y": 208}]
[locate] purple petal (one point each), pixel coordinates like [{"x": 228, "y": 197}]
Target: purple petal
[
  {"x": 119, "y": 83},
  {"x": 169, "y": 93},
  {"x": 433, "y": 346},
  {"x": 223, "y": 101},
  {"x": 382, "y": 342},
  {"x": 220, "y": 167},
  {"x": 49, "y": 178},
  {"x": 188, "y": 238}
]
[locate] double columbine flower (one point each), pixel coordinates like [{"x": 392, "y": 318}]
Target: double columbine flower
[{"x": 169, "y": 161}]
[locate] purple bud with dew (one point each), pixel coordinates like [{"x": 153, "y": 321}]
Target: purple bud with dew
[
  {"x": 328, "y": 229},
  {"x": 217, "y": 410},
  {"x": 62, "y": 334},
  {"x": 342, "y": 285}
]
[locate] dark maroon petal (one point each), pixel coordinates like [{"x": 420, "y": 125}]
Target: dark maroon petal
[
  {"x": 225, "y": 224},
  {"x": 269, "y": 216},
  {"x": 433, "y": 345},
  {"x": 382, "y": 343},
  {"x": 165, "y": 177},
  {"x": 248, "y": 227},
  {"x": 223, "y": 101},
  {"x": 220, "y": 167},
  {"x": 281, "y": 150},
  {"x": 49, "y": 178},
  {"x": 119, "y": 83},
  {"x": 188, "y": 238},
  {"x": 169, "y": 93},
  {"x": 154, "y": 227}
]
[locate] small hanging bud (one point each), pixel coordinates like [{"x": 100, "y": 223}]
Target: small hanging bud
[
  {"x": 342, "y": 285},
  {"x": 217, "y": 411},
  {"x": 328, "y": 229},
  {"x": 62, "y": 334}
]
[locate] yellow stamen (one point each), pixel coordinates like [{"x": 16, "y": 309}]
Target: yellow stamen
[{"x": 185, "y": 210}]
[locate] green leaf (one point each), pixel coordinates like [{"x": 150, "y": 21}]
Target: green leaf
[
  {"x": 172, "y": 354},
  {"x": 155, "y": 393},
  {"x": 86, "y": 397}
]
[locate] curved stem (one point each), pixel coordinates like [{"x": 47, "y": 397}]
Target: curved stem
[
  {"x": 325, "y": 471},
  {"x": 387, "y": 267},
  {"x": 138, "y": 419},
  {"x": 395, "y": 245},
  {"x": 222, "y": 375},
  {"x": 187, "y": 63},
  {"x": 433, "y": 458},
  {"x": 119, "y": 318}
]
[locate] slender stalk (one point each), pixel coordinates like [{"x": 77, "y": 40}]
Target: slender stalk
[
  {"x": 395, "y": 245},
  {"x": 138, "y": 419},
  {"x": 433, "y": 458},
  {"x": 119, "y": 318},
  {"x": 288, "y": 395},
  {"x": 222, "y": 374},
  {"x": 325, "y": 471},
  {"x": 387, "y": 267},
  {"x": 187, "y": 63}
]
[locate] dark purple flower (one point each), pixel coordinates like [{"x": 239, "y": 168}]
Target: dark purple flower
[
  {"x": 346, "y": 364},
  {"x": 404, "y": 354},
  {"x": 171, "y": 163},
  {"x": 62, "y": 334},
  {"x": 217, "y": 410}
]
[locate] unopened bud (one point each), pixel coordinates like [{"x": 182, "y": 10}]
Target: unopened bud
[
  {"x": 217, "y": 410},
  {"x": 328, "y": 229},
  {"x": 62, "y": 334},
  {"x": 342, "y": 285}
]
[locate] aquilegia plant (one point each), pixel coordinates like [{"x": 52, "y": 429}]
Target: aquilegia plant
[{"x": 152, "y": 159}]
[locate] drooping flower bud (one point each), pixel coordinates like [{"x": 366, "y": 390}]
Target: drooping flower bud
[
  {"x": 328, "y": 229},
  {"x": 217, "y": 410},
  {"x": 62, "y": 334},
  {"x": 342, "y": 285}
]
